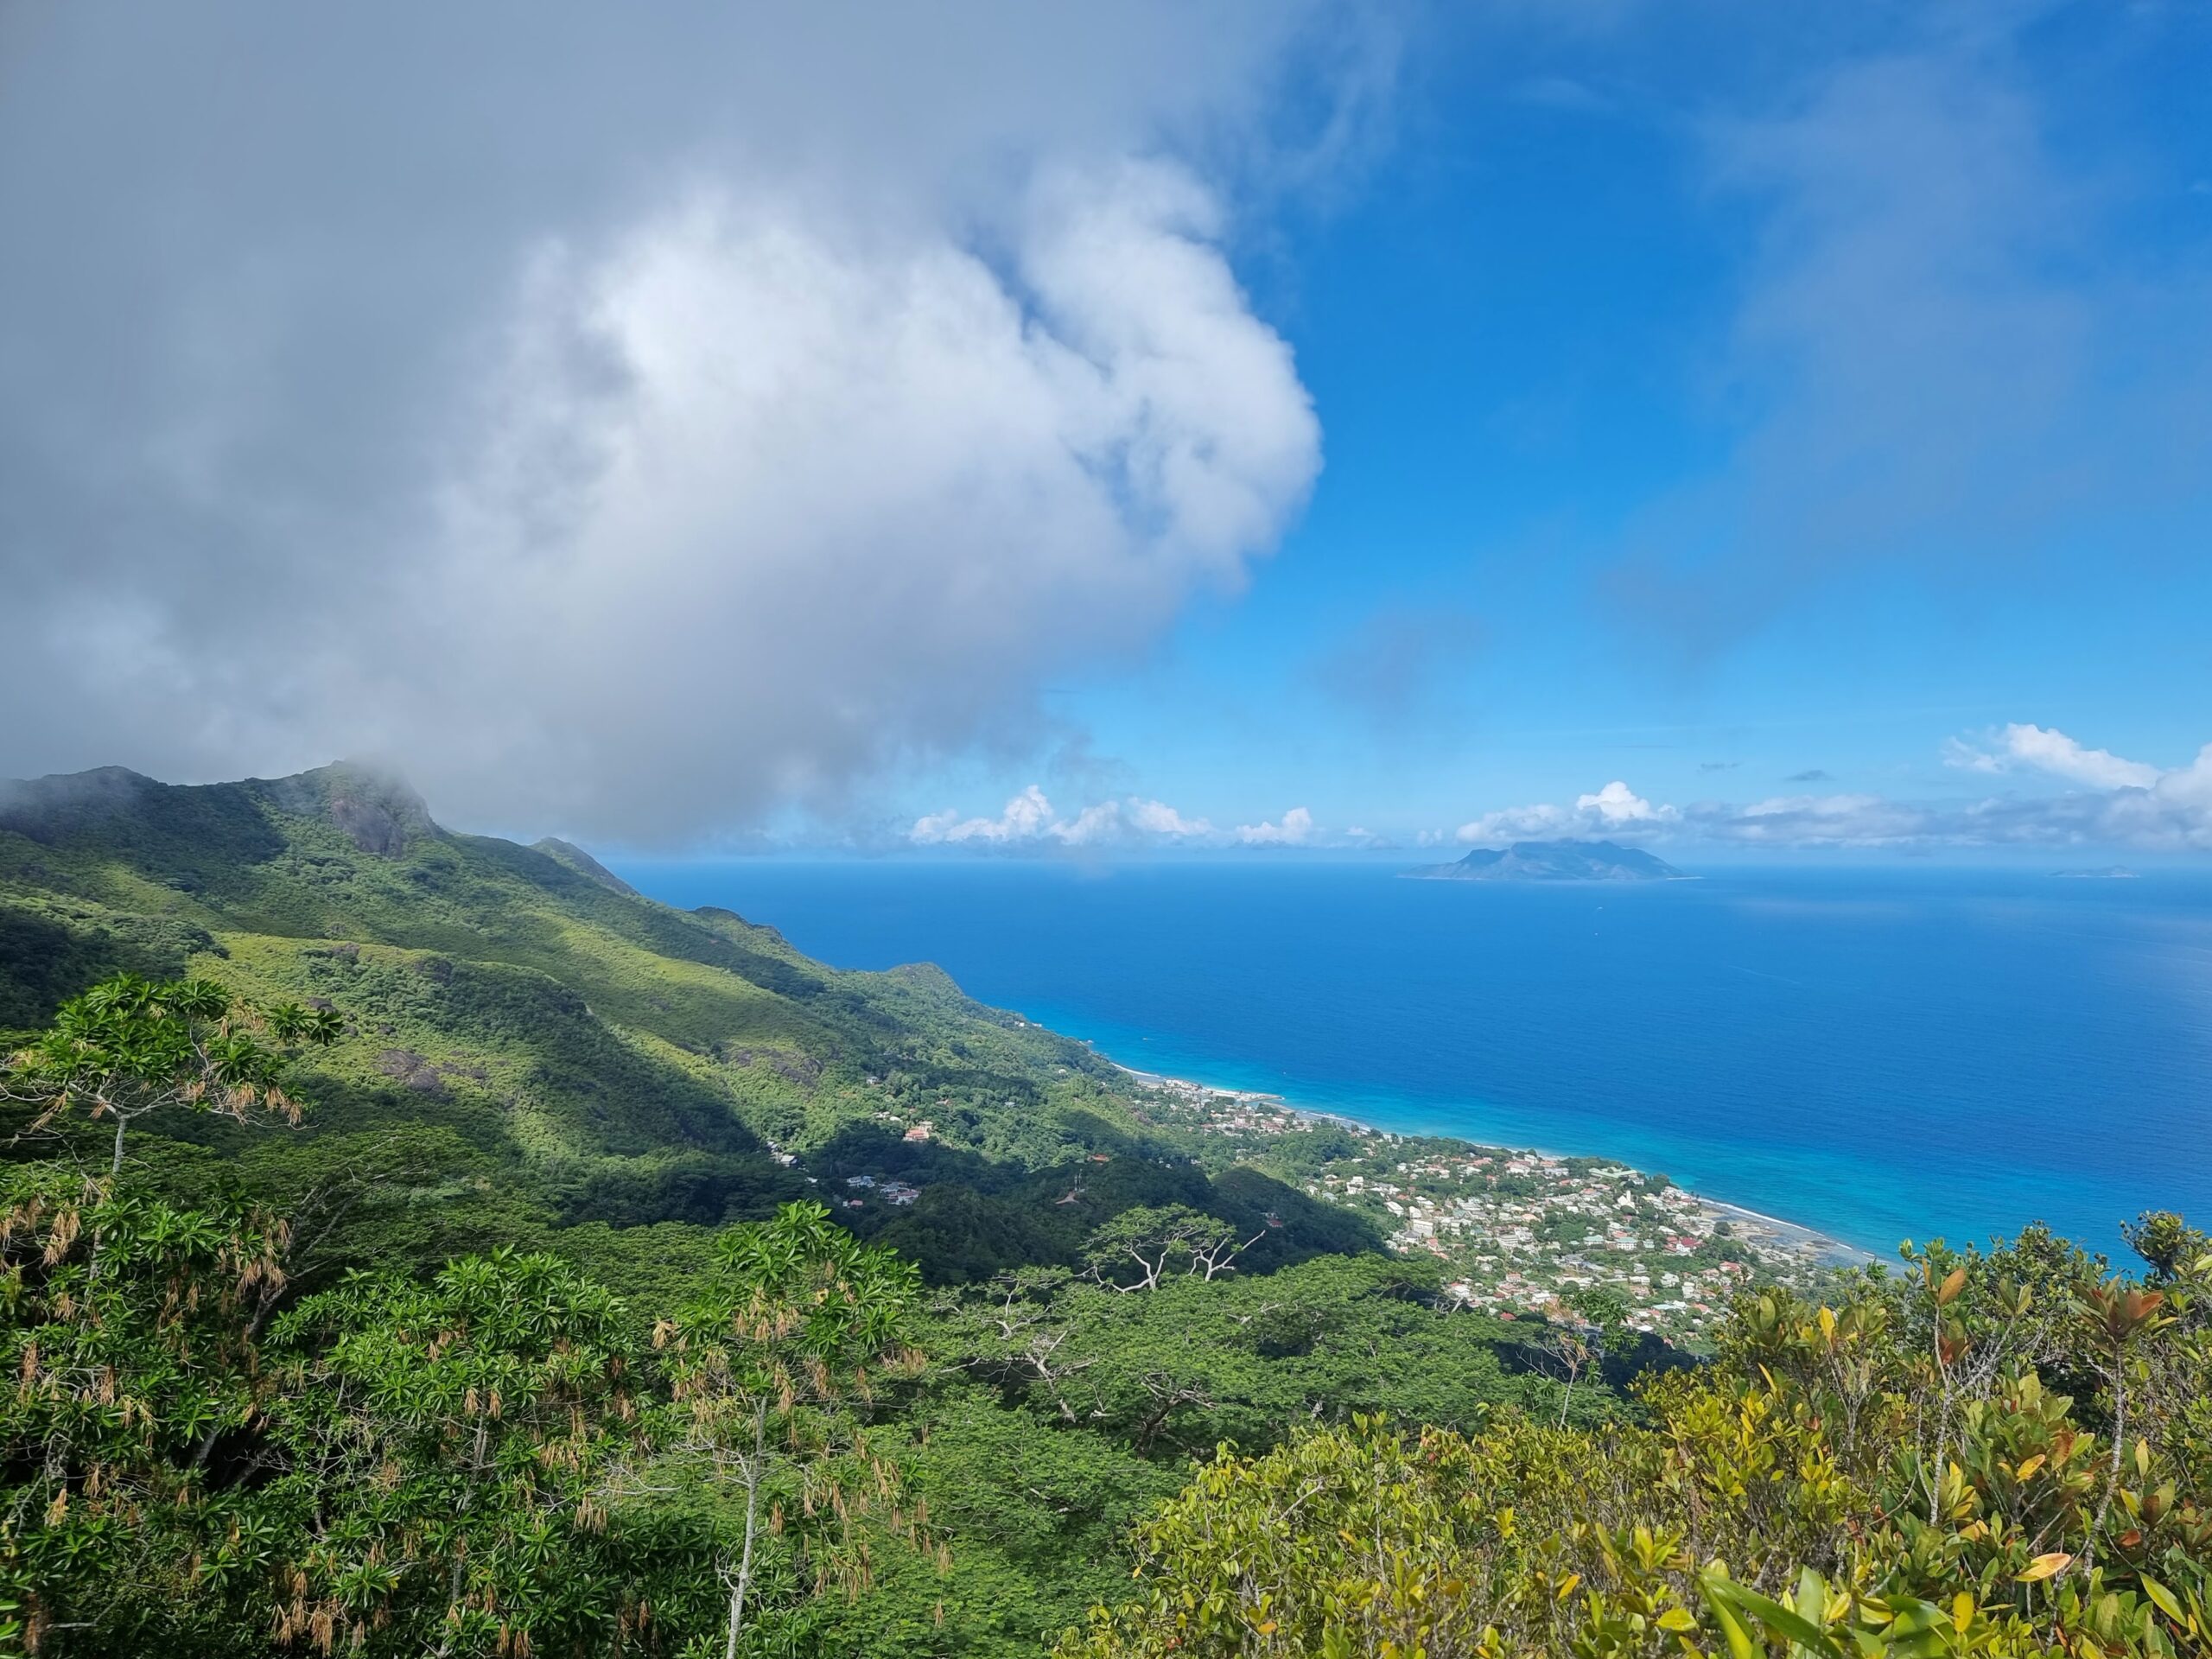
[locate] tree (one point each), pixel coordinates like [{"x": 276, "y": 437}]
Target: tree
[
  {"x": 1157, "y": 1239},
  {"x": 795, "y": 1330},
  {"x": 2166, "y": 1241},
  {"x": 2119, "y": 1319},
  {"x": 1597, "y": 1327},
  {"x": 123, "y": 1356},
  {"x": 1353, "y": 1541},
  {"x": 133, "y": 1322},
  {"x": 437, "y": 1450},
  {"x": 131, "y": 1047},
  {"x": 1014, "y": 1333}
]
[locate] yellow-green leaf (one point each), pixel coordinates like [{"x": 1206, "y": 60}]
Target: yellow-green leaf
[{"x": 2168, "y": 1603}]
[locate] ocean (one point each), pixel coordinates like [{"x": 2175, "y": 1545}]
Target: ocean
[{"x": 1878, "y": 1054}]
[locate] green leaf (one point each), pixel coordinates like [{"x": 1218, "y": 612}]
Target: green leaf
[
  {"x": 2168, "y": 1603},
  {"x": 1742, "y": 1644},
  {"x": 1783, "y": 1620}
]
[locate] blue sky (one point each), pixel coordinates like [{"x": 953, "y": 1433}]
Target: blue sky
[
  {"x": 1594, "y": 304},
  {"x": 1786, "y": 427}
]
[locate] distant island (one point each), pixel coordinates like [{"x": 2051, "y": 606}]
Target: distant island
[
  {"x": 2111, "y": 872},
  {"x": 1553, "y": 861}
]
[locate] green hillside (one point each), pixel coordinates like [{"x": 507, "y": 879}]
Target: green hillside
[{"x": 608, "y": 1058}]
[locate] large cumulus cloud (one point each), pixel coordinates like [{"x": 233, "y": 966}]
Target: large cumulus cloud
[{"x": 634, "y": 426}]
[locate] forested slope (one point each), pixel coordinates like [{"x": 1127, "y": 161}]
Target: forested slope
[{"x": 609, "y": 1059}]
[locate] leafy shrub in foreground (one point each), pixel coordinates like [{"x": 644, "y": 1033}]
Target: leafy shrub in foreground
[{"x": 1889, "y": 1477}]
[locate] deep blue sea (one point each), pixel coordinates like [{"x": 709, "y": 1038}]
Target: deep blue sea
[{"x": 1878, "y": 1054}]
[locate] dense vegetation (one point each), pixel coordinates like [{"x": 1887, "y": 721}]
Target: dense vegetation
[
  {"x": 2003, "y": 1454},
  {"x": 416, "y": 1245}
]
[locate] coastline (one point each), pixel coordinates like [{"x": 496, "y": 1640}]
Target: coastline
[
  {"x": 1843, "y": 1253},
  {"x": 1778, "y": 1233}
]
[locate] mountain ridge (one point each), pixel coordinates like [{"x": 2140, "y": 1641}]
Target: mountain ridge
[{"x": 613, "y": 1058}]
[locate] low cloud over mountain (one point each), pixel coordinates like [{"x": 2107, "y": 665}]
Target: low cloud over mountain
[{"x": 628, "y": 432}]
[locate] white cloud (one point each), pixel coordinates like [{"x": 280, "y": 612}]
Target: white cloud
[
  {"x": 2053, "y": 752},
  {"x": 1028, "y": 815},
  {"x": 932, "y": 827},
  {"x": 2127, "y": 803},
  {"x": 1614, "y": 808},
  {"x": 868, "y": 496},
  {"x": 2189, "y": 787},
  {"x": 1158, "y": 818},
  {"x": 1813, "y": 821},
  {"x": 1617, "y": 804},
  {"x": 2173, "y": 813},
  {"x": 1294, "y": 828},
  {"x": 1030, "y": 818},
  {"x": 1519, "y": 824},
  {"x": 1962, "y": 756},
  {"x": 783, "y": 425},
  {"x": 1095, "y": 823}
]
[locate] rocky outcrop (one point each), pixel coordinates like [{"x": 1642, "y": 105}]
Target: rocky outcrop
[{"x": 379, "y": 813}]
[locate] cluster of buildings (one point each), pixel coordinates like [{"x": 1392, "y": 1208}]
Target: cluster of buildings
[
  {"x": 1522, "y": 1231},
  {"x": 1518, "y": 1232},
  {"x": 924, "y": 1130},
  {"x": 890, "y": 1191},
  {"x": 1229, "y": 1111}
]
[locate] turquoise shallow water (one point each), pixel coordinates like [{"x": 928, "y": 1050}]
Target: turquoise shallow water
[{"x": 1878, "y": 1054}]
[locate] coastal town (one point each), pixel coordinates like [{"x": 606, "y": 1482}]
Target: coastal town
[{"x": 1518, "y": 1232}]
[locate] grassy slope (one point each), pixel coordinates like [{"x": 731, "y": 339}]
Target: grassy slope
[
  {"x": 550, "y": 1007},
  {"x": 611, "y": 1057}
]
